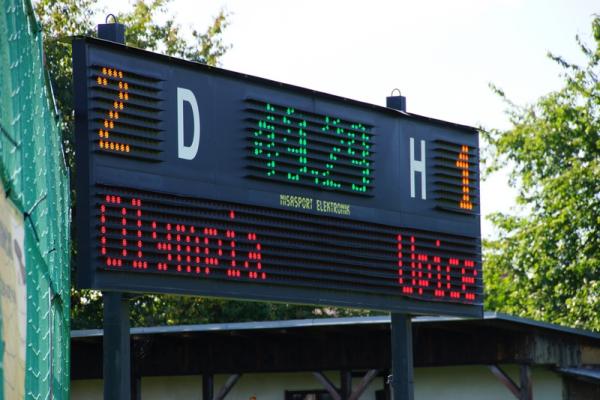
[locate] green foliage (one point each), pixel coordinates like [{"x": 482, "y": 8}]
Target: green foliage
[
  {"x": 546, "y": 265},
  {"x": 62, "y": 19},
  {"x": 169, "y": 310},
  {"x": 153, "y": 310}
]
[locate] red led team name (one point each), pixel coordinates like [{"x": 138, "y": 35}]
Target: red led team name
[
  {"x": 432, "y": 273},
  {"x": 190, "y": 249},
  {"x": 180, "y": 247}
]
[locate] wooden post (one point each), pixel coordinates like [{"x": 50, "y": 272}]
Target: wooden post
[
  {"x": 208, "y": 386},
  {"x": 402, "y": 357}
]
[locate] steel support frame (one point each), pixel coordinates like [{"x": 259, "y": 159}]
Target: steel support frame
[
  {"x": 402, "y": 381},
  {"x": 116, "y": 367}
]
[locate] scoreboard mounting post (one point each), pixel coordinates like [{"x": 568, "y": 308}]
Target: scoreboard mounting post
[
  {"x": 116, "y": 359},
  {"x": 402, "y": 381},
  {"x": 401, "y": 323},
  {"x": 116, "y": 347}
]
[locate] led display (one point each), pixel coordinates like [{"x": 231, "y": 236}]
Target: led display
[
  {"x": 201, "y": 181},
  {"x": 309, "y": 149},
  {"x": 201, "y": 239}
]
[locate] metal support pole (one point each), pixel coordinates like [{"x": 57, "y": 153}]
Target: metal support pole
[
  {"x": 526, "y": 389},
  {"x": 117, "y": 354},
  {"x": 116, "y": 347},
  {"x": 402, "y": 357},
  {"x": 136, "y": 388},
  {"x": 402, "y": 350},
  {"x": 387, "y": 393},
  {"x": 208, "y": 386},
  {"x": 345, "y": 384}
]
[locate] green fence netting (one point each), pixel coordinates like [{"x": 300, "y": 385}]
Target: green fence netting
[{"x": 33, "y": 173}]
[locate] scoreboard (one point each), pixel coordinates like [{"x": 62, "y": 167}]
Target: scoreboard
[{"x": 201, "y": 181}]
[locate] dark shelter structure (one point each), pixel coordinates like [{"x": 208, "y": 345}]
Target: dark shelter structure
[{"x": 357, "y": 348}]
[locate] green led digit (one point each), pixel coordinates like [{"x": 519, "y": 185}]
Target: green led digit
[{"x": 283, "y": 129}]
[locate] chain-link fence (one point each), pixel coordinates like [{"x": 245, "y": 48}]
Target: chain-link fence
[{"x": 34, "y": 177}]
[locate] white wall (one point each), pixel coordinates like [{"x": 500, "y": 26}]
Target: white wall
[
  {"x": 477, "y": 382},
  {"x": 460, "y": 383}
]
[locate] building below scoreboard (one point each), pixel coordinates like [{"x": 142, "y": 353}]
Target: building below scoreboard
[{"x": 497, "y": 357}]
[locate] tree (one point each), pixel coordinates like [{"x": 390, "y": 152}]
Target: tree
[
  {"x": 545, "y": 263},
  {"x": 61, "y": 19}
]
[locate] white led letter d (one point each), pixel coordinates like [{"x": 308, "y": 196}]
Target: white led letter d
[{"x": 183, "y": 151}]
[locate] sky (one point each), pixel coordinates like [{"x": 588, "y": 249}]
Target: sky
[{"x": 442, "y": 55}]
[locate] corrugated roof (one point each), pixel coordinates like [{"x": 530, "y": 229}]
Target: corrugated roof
[{"x": 587, "y": 374}]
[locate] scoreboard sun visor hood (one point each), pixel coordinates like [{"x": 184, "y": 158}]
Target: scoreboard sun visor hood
[{"x": 201, "y": 181}]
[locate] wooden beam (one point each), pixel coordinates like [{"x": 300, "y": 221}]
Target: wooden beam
[
  {"x": 506, "y": 380},
  {"x": 329, "y": 387},
  {"x": 231, "y": 381},
  {"x": 208, "y": 386},
  {"x": 526, "y": 384},
  {"x": 364, "y": 382},
  {"x": 345, "y": 384}
]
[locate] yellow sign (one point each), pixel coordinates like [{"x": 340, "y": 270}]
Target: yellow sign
[{"x": 13, "y": 299}]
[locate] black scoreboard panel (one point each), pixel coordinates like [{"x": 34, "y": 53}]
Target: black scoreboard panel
[{"x": 197, "y": 180}]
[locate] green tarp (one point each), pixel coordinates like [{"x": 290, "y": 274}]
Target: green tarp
[{"x": 35, "y": 179}]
